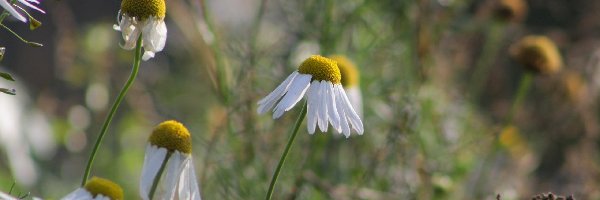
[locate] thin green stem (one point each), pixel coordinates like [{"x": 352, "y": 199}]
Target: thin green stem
[
  {"x": 136, "y": 65},
  {"x": 35, "y": 44},
  {"x": 483, "y": 65},
  {"x": 286, "y": 151},
  {"x": 158, "y": 175},
  {"x": 524, "y": 85}
]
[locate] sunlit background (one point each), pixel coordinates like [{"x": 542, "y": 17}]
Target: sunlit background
[{"x": 437, "y": 79}]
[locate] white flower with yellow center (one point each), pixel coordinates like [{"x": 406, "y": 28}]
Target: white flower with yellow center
[
  {"x": 168, "y": 171},
  {"x": 8, "y": 7},
  {"x": 144, "y": 17},
  {"x": 327, "y": 103},
  {"x": 350, "y": 81},
  {"x": 97, "y": 189}
]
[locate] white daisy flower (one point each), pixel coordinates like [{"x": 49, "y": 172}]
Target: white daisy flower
[
  {"x": 97, "y": 189},
  {"x": 143, "y": 17},
  {"x": 8, "y": 7},
  {"x": 327, "y": 103},
  {"x": 350, "y": 81},
  {"x": 168, "y": 171}
]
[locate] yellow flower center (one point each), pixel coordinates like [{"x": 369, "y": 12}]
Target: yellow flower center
[
  {"x": 105, "y": 187},
  {"x": 321, "y": 68},
  {"x": 349, "y": 72},
  {"x": 173, "y": 136},
  {"x": 144, "y": 8},
  {"x": 537, "y": 53}
]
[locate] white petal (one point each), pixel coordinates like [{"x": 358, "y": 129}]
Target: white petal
[
  {"x": 152, "y": 161},
  {"x": 147, "y": 55},
  {"x": 312, "y": 106},
  {"x": 350, "y": 113},
  {"x": 188, "y": 185},
  {"x": 8, "y": 7},
  {"x": 79, "y": 194},
  {"x": 267, "y": 103},
  {"x": 322, "y": 111},
  {"x": 332, "y": 112},
  {"x": 101, "y": 197},
  {"x": 172, "y": 173},
  {"x": 355, "y": 97},
  {"x": 342, "y": 112},
  {"x": 31, "y": 5},
  {"x": 155, "y": 35},
  {"x": 293, "y": 95}
]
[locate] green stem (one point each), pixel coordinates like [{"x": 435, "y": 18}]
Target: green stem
[
  {"x": 158, "y": 175},
  {"x": 483, "y": 65},
  {"x": 136, "y": 65},
  {"x": 286, "y": 151},
  {"x": 521, "y": 93}
]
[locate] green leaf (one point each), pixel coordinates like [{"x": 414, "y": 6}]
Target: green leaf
[
  {"x": 6, "y": 76},
  {"x": 8, "y": 91}
]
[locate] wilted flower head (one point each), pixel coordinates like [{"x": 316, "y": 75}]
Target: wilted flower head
[
  {"x": 97, "y": 189},
  {"x": 8, "y": 7},
  {"x": 510, "y": 10},
  {"x": 327, "y": 103},
  {"x": 350, "y": 81},
  {"x": 144, "y": 17},
  {"x": 538, "y": 54},
  {"x": 169, "y": 151}
]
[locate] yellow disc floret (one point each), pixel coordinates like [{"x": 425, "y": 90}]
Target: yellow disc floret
[
  {"x": 173, "y": 136},
  {"x": 104, "y": 187},
  {"x": 538, "y": 54},
  {"x": 321, "y": 68},
  {"x": 144, "y": 8},
  {"x": 349, "y": 72}
]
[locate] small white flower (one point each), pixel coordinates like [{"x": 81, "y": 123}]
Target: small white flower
[
  {"x": 97, "y": 189},
  {"x": 169, "y": 148},
  {"x": 327, "y": 103},
  {"x": 8, "y": 7},
  {"x": 146, "y": 18}
]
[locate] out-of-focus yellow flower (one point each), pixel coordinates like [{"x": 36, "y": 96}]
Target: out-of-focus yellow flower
[
  {"x": 511, "y": 139},
  {"x": 510, "y": 10},
  {"x": 574, "y": 86},
  {"x": 350, "y": 81},
  {"x": 538, "y": 54}
]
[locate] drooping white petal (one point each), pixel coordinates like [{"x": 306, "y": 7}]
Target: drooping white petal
[
  {"x": 350, "y": 113},
  {"x": 354, "y": 95},
  {"x": 155, "y": 35},
  {"x": 79, "y": 194},
  {"x": 147, "y": 55},
  {"x": 100, "y": 197},
  {"x": 130, "y": 31},
  {"x": 332, "y": 112},
  {"x": 152, "y": 161},
  {"x": 8, "y": 7},
  {"x": 172, "y": 173},
  {"x": 322, "y": 112},
  {"x": 296, "y": 91},
  {"x": 267, "y": 103},
  {"x": 188, "y": 185},
  {"x": 31, "y": 5},
  {"x": 342, "y": 112},
  {"x": 312, "y": 106}
]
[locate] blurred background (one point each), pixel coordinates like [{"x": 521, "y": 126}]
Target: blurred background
[{"x": 437, "y": 80}]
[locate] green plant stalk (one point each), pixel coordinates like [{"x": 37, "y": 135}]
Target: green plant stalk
[
  {"x": 483, "y": 65},
  {"x": 524, "y": 85},
  {"x": 288, "y": 146},
  {"x": 136, "y": 65},
  {"x": 158, "y": 175}
]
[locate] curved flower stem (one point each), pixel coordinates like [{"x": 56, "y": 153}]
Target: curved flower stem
[
  {"x": 158, "y": 175},
  {"x": 524, "y": 85},
  {"x": 136, "y": 65},
  {"x": 286, "y": 151}
]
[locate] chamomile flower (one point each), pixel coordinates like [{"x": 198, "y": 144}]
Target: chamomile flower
[
  {"x": 320, "y": 79},
  {"x": 97, "y": 189},
  {"x": 144, "y": 17},
  {"x": 168, "y": 171},
  {"x": 350, "y": 81},
  {"x": 8, "y": 7}
]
